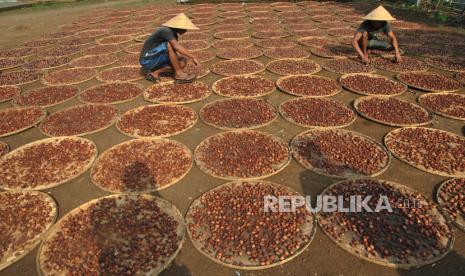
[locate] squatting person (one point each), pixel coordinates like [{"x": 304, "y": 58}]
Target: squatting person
[
  {"x": 162, "y": 52},
  {"x": 366, "y": 37}
]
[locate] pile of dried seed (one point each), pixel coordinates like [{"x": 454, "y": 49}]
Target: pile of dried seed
[
  {"x": 431, "y": 150},
  {"x": 157, "y": 120},
  {"x": 238, "y": 113},
  {"x": 339, "y": 153},
  {"x": 242, "y": 154},
  {"x": 429, "y": 81},
  {"x": 229, "y": 225}
]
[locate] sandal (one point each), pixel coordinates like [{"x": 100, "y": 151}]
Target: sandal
[
  {"x": 187, "y": 79},
  {"x": 151, "y": 78}
]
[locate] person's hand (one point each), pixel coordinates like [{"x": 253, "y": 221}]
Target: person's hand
[
  {"x": 398, "y": 57},
  {"x": 365, "y": 59},
  {"x": 195, "y": 61}
]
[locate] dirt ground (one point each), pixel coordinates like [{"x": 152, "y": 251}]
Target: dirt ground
[{"x": 322, "y": 257}]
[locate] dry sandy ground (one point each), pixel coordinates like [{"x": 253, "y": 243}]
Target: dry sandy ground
[{"x": 322, "y": 257}]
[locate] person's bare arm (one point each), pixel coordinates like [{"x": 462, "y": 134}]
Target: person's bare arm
[
  {"x": 393, "y": 39},
  {"x": 362, "y": 53},
  {"x": 183, "y": 51}
]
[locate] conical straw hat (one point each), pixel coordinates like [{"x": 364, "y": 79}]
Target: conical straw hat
[
  {"x": 180, "y": 21},
  {"x": 379, "y": 14}
]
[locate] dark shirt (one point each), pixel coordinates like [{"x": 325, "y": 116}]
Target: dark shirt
[
  {"x": 372, "y": 32},
  {"x": 161, "y": 34}
]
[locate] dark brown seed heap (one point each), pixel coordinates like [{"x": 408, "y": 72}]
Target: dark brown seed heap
[
  {"x": 19, "y": 77},
  {"x": 119, "y": 74},
  {"x": 369, "y": 84},
  {"x": 314, "y": 112},
  {"x": 455, "y": 64},
  {"x": 69, "y": 76},
  {"x": 193, "y": 45},
  {"x": 339, "y": 153},
  {"x": 111, "y": 93},
  {"x": 424, "y": 50},
  {"x": 199, "y": 71},
  {"x": 243, "y": 86},
  {"x": 157, "y": 120},
  {"x": 177, "y": 93},
  {"x": 269, "y": 34},
  {"x": 316, "y": 41},
  {"x": 232, "y": 43},
  {"x": 114, "y": 39},
  {"x": 73, "y": 41},
  {"x": 237, "y": 67},
  {"x": 204, "y": 21},
  {"x": 341, "y": 32},
  {"x": 429, "y": 81},
  {"x": 39, "y": 43},
  {"x": 47, "y": 96},
  {"x": 242, "y": 154},
  {"x": 308, "y": 85},
  {"x": 406, "y": 65},
  {"x": 116, "y": 33},
  {"x": 290, "y": 52},
  {"x": 240, "y": 53},
  {"x": 275, "y": 43},
  {"x": 265, "y": 21},
  {"x": 46, "y": 163},
  {"x": 428, "y": 149},
  {"x": 79, "y": 120},
  {"x": 9, "y": 92},
  {"x": 451, "y": 197},
  {"x": 329, "y": 21},
  {"x": 347, "y": 65},
  {"x": 232, "y": 14},
  {"x": 446, "y": 104},
  {"x": 308, "y": 32},
  {"x": 333, "y": 51},
  {"x": 93, "y": 61},
  {"x": 407, "y": 236},
  {"x": 18, "y": 52},
  {"x": 7, "y": 63},
  {"x": 129, "y": 60},
  {"x": 460, "y": 77},
  {"x": 204, "y": 55},
  {"x": 13, "y": 120},
  {"x": 293, "y": 66},
  {"x": 141, "y": 165},
  {"x": 59, "y": 51},
  {"x": 229, "y": 224},
  {"x": 46, "y": 63},
  {"x": 58, "y": 35},
  {"x": 25, "y": 217},
  {"x": 91, "y": 33},
  {"x": 238, "y": 113},
  {"x": 266, "y": 28},
  {"x": 405, "y": 25},
  {"x": 231, "y": 28},
  {"x": 392, "y": 111},
  {"x": 105, "y": 50},
  {"x": 231, "y": 35},
  {"x": 122, "y": 234}
]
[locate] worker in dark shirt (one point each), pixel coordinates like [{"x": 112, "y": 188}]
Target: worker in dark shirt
[
  {"x": 367, "y": 35},
  {"x": 162, "y": 52}
]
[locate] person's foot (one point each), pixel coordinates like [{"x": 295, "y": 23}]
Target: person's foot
[
  {"x": 153, "y": 77},
  {"x": 182, "y": 77}
]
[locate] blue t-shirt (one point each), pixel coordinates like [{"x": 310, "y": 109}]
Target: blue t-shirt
[
  {"x": 162, "y": 34},
  {"x": 372, "y": 32}
]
